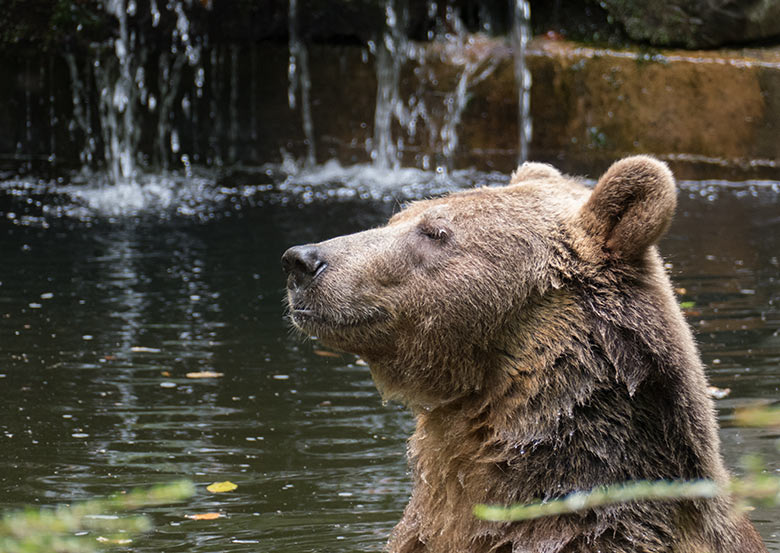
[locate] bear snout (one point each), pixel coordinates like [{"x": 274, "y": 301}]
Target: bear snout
[{"x": 303, "y": 264}]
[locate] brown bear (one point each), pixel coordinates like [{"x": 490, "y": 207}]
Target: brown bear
[{"x": 534, "y": 334}]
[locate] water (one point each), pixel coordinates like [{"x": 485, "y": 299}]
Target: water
[{"x": 105, "y": 309}]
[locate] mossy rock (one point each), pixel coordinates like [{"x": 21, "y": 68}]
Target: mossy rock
[{"x": 697, "y": 23}]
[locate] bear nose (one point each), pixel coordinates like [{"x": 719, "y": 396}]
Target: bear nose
[{"x": 303, "y": 264}]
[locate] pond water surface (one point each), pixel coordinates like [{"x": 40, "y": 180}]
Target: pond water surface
[{"x": 103, "y": 313}]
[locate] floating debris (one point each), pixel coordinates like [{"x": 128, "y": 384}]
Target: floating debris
[
  {"x": 221, "y": 487},
  {"x": 144, "y": 349},
  {"x": 718, "y": 393},
  {"x": 204, "y": 516},
  {"x": 204, "y": 374},
  {"x": 325, "y": 353}
]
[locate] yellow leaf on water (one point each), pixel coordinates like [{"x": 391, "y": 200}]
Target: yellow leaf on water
[
  {"x": 204, "y": 516},
  {"x": 219, "y": 487},
  {"x": 205, "y": 374}
]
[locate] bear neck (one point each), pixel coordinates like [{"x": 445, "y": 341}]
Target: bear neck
[{"x": 594, "y": 396}]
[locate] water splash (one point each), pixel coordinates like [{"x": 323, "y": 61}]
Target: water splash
[
  {"x": 333, "y": 181},
  {"x": 205, "y": 195}
]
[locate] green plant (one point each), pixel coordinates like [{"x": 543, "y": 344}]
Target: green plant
[{"x": 84, "y": 527}]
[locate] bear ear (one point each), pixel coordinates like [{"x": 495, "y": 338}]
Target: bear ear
[
  {"x": 532, "y": 170},
  {"x": 631, "y": 206}
]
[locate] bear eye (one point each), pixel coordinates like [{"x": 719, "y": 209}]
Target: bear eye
[{"x": 434, "y": 232}]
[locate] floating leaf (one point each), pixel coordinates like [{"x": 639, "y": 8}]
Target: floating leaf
[
  {"x": 114, "y": 541},
  {"x": 204, "y": 516},
  {"x": 204, "y": 374},
  {"x": 326, "y": 353},
  {"x": 219, "y": 487},
  {"x": 687, "y": 304}
]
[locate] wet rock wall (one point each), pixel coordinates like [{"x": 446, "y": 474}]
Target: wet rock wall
[{"x": 215, "y": 90}]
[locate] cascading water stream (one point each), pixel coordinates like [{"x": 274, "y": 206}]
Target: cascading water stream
[
  {"x": 476, "y": 66},
  {"x": 419, "y": 109},
  {"x": 521, "y": 33},
  {"x": 391, "y": 53},
  {"x": 127, "y": 104},
  {"x": 299, "y": 77},
  {"x": 118, "y": 97}
]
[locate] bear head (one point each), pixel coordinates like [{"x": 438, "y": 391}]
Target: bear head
[{"x": 439, "y": 299}]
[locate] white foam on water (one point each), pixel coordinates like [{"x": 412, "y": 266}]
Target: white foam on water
[
  {"x": 367, "y": 181},
  {"x": 163, "y": 195},
  {"x": 205, "y": 194}
]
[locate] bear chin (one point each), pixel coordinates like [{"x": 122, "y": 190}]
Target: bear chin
[{"x": 338, "y": 329}]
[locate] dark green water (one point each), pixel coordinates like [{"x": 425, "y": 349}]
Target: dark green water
[{"x": 102, "y": 318}]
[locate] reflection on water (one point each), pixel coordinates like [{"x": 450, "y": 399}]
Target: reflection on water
[{"x": 103, "y": 314}]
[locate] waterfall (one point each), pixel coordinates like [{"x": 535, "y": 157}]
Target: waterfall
[
  {"x": 161, "y": 94},
  {"x": 130, "y": 113}
]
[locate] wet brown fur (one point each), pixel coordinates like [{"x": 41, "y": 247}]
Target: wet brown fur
[{"x": 535, "y": 335}]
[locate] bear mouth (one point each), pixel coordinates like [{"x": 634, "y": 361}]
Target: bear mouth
[{"x": 327, "y": 321}]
